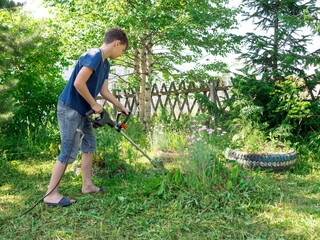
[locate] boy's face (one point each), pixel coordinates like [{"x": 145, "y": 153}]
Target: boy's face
[{"x": 118, "y": 49}]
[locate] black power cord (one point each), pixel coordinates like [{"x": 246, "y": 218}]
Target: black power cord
[
  {"x": 39, "y": 201},
  {"x": 102, "y": 120}
]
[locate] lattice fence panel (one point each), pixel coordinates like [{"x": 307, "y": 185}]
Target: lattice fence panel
[{"x": 178, "y": 99}]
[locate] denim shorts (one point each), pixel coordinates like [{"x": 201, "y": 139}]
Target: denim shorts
[{"x": 76, "y": 132}]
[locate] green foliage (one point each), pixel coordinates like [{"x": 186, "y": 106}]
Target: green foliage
[
  {"x": 108, "y": 155},
  {"x": 209, "y": 107},
  {"x": 312, "y": 18},
  {"x": 163, "y": 138},
  {"x": 201, "y": 167},
  {"x": 269, "y": 105},
  {"x": 265, "y": 116},
  {"x": 250, "y": 98},
  {"x": 252, "y": 139},
  {"x": 30, "y": 78},
  {"x": 175, "y": 32},
  {"x": 285, "y": 51},
  {"x": 114, "y": 152},
  {"x": 293, "y": 99},
  {"x": 37, "y": 145},
  {"x": 203, "y": 172},
  {"x": 9, "y": 4}
]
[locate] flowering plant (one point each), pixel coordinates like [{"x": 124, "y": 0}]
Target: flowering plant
[{"x": 198, "y": 132}]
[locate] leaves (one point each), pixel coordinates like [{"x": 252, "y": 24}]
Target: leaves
[
  {"x": 167, "y": 28},
  {"x": 284, "y": 52},
  {"x": 30, "y": 75}
]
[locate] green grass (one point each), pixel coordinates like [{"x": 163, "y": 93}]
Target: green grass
[{"x": 280, "y": 206}]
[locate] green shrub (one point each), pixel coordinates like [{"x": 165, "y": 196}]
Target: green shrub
[
  {"x": 30, "y": 82},
  {"x": 42, "y": 143},
  {"x": 204, "y": 172},
  {"x": 114, "y": 152}
]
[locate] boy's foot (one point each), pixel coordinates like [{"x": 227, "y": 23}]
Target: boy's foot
[
  {"x": 64, "y": 202},
  {"x": 56, "y": 199},
  {"x": 92, "y": 189}
]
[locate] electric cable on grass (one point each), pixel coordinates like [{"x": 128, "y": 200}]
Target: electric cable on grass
[
  {"x": 103, "y": 120},
  {"x": 39, "y": 201}
]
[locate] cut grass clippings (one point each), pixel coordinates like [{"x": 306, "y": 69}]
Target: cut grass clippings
[{"x": 286, "y": 206}]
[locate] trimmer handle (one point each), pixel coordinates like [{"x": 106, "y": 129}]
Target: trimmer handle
[
  {"x": 91, "y": 111},
  {"x": 122, "y": 124},
  {"x": 104, "y": 119}
]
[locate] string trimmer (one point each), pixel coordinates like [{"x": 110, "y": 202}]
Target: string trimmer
[{"x": 104, "y": 119}]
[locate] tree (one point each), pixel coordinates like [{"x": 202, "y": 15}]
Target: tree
[
  {"x": 9, "y": 4},
  {"x": 30, "y": 73},
  {"x": 274, "y": 78},
  {"x": 162, "y": 33},
  {"x": 5, "y": 5},
  {"x": 282, "y": 50}
]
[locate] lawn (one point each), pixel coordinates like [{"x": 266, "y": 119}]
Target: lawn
[{"x": 138, "y": 205}]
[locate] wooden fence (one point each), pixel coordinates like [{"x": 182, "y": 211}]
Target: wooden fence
[{"x": 177, "y": 99}]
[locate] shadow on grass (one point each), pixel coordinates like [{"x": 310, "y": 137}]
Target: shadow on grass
[
  {"x": 132, "y": 208},
  {"x": 19, "y": 189},
  {"x": 294, "y": 211},
  {"x": 23, "y": 183}
]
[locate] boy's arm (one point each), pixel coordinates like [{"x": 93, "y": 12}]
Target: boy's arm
[
  {"x": 81, "y": 86},
  {"x": 109, "y": 96}
]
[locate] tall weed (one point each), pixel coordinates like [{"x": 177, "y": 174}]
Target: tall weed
[
  {"x": 42, "y": 143},
  {"x": 204, "y": 168},
  {"x": 114, "y": 152}
]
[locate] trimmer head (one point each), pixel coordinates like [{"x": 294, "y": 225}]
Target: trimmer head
[{"x": 157, "y": 162}]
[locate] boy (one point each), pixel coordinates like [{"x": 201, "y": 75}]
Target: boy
[{"x": 89, "y": 78}]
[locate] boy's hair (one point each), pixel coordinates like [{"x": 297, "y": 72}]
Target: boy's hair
[{"x": 114, "y": 34}]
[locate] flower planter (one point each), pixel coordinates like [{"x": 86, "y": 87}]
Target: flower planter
[{"x": 276, "y": 162}]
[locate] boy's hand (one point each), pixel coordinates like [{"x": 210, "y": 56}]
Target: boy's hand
[
  {"x": 97, "y": 108},
  {"x": 124, "y": 111}
]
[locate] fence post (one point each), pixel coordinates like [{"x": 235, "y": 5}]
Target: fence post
[
  {"x": 213, "y": 96},
  {"x": 213, "y": 92}
]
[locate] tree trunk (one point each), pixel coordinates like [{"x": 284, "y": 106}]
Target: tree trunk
[
  {"x": 142, "y": 99},
  {"x": 276, "y": 41},
  {"x": 137, "y": 73},
  {"x": 148, "y": 82}
]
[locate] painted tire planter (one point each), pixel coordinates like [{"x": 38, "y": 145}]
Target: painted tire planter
[{"x": 276, "y": 162}]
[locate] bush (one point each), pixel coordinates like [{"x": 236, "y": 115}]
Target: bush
[
  {"x": 31, "y": 81},
  {"x": 114, "y": 152},
  {"x": 205, "y": 172}
]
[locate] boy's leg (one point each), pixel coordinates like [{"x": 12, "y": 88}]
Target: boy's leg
[
  {"x": 57, "y": 173},
  {"x": 88, "y": 147},
  {"x": 87, "y": 184},
  {"x": 69, "y": 120}
]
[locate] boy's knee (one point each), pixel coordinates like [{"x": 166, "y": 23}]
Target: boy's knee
[
  {"x": 87, "y": 153},
  {"x": 66, "y": 161}
]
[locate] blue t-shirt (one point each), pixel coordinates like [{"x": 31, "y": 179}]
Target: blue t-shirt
[{"x": 92, "y": 59}]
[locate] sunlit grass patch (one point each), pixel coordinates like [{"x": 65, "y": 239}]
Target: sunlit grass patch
[
  {"x": 293, "y": 221},
  {"x": 203, "y": 196},
  {"x": 38, "y": 167},
  {"x": 6, "y": 187},
  {"x": 11, "y": 198}
]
